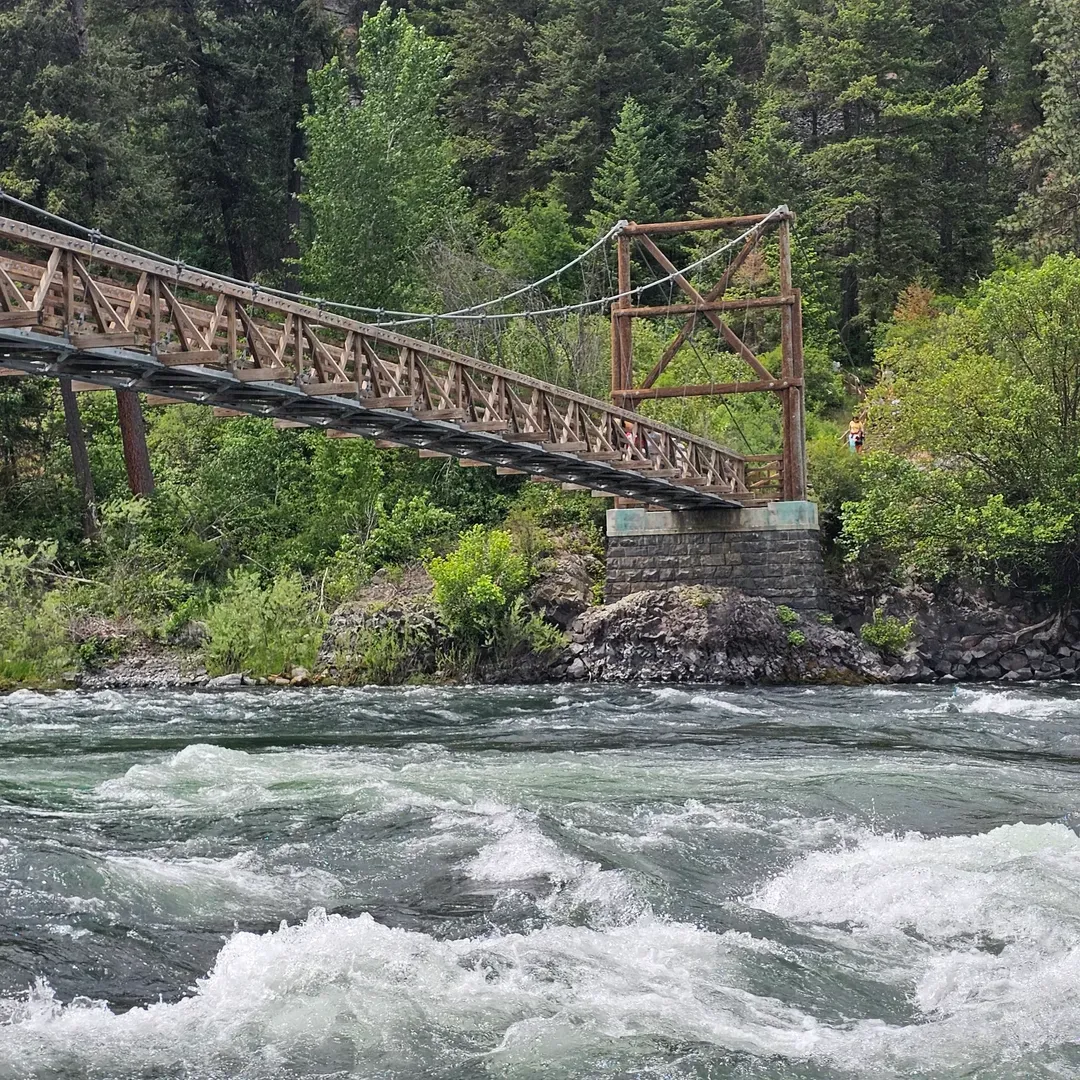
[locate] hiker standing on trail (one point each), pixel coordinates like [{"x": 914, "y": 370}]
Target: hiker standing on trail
[{"x": 855, "y": 435}]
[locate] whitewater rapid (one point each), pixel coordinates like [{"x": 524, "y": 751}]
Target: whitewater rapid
[{"x": 561, "y": 883}]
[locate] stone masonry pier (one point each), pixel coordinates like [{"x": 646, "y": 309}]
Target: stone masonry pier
[{"x": 771, "y": 551}]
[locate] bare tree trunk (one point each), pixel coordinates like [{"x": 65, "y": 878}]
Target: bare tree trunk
[
  {"x": 80, "y": 460},
  {"x": 77, "y": 11},
  {"x": 133, "y": 433},
  {"x": 296, "y": 152}
]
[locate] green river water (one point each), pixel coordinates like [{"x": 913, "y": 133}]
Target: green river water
[{"x": 557, "y": 882}]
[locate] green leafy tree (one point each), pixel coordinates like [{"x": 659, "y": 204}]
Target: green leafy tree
[
  {"x": 381, "y": 177},
  {"x": 538, "y": 236},
  {"x": 977, "y": 428}
]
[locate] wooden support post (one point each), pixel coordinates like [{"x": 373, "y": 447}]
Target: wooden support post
[
  {"x": 80, "y": 460},
  {"x": 133, "y": 433},
  {"x": 155, "y": 312},
  {"x": 69, "y": 314},
  {"x": 230, "y": 316},
  {"x": 626, "y": 359},
  {"x": 798, "y": 370},
  {"x": 794, "y": 469}
]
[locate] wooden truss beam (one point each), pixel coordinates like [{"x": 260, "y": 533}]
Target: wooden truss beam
[{"x": 181, "y": 334}]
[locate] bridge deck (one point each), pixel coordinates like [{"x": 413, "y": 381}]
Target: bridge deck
[{"x": 109, "y": 317}]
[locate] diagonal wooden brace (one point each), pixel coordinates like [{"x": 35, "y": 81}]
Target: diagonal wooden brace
[{"x": 728, "y": 334}]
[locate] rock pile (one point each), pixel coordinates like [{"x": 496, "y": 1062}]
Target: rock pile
[
  {"x": 691, "y": 634},
  {"x": 1049, "y": 649}
]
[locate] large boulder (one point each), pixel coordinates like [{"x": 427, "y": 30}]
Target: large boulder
[
  {"x": 565, "y": 587},
  {"x": 692, "y": 634}
]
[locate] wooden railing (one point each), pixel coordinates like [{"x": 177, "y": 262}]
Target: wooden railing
[{"x": 101, "y": 298}]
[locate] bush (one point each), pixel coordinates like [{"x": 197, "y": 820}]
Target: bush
[
  {"x": 386, "y": 656},
  {"x": 887, "y": 633},
  {"x": 796, "y": 638},
  {"x": 263, "y": 631},
  {"x": 786, "y": 615},
  {"x": 476, "y": 585},
  {"x": 34, "y": 645},
  {"x": 411, "y": 530}
]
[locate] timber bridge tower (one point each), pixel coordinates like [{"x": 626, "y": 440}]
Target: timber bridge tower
[
  {"x": 769, "y": 544},
  {"x": 99, "y": 315}
]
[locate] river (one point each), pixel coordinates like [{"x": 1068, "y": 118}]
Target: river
[{"x": 509, "y": 883}]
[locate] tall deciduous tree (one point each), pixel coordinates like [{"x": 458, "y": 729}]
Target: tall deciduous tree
[{"x": 381, "y": 177}]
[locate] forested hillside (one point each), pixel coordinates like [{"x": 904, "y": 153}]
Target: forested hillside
[{"x": 435, "y": 154}]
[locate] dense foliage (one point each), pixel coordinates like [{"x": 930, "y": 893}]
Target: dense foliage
[{"x": 435, "y": 154}]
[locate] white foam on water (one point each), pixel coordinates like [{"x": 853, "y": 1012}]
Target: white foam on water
[
  {"x": 1015, "y": 703},
  {"x": 983, "y": 930},
  {"x": 724, "y": 704},
  {"x": 582, "y": 892},
  {"x": 520, "y": 852},
  {"x": 202, "y": 778},
  {"x": 1014, "y": 882},
  {"x": 402, "y": 1001},
  {"x": 242, "y": 886}
]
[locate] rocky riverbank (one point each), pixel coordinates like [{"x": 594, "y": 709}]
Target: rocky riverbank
[{"x": 391, "y": 633}]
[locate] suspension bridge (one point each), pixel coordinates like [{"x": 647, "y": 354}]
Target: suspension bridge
[{"x": 110, "y": 316}]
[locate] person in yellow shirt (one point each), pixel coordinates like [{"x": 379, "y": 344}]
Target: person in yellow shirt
[{"x": 855, "y": 434}]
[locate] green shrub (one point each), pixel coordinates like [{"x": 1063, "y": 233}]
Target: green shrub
[
  {"x": 263, "y": 631},
  {"x": 34, "y": 645},
  {"x": 786, "y": 615},
  {"x": 476, "y": 585},
  {"x": 409, "y": 531},
  {"x": 887, "y": 633},
  {"x": 796, "y": 638},
  {"x": 825, "y": 618},
  {"x": 385, "y": 656}
]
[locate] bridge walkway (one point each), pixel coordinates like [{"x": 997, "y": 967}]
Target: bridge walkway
[{"x": 112, "y": 318}]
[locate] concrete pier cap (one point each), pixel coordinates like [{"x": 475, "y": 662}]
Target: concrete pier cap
[{"x": 773, "y": 551}]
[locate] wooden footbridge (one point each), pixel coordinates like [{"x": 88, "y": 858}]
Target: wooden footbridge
[{"x": 75, "y": 309}]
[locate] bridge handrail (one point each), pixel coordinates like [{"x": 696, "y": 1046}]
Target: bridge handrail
[{"x": 637, "y": 435}]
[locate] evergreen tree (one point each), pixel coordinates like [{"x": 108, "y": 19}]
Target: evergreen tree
[
  {"x": 1047, "y": 218},
  {"x": 755, "y": 167},
  {"x": 73, "y": 137},
  {"x": 493, "y": 65},
  {"x": 381, "y": 179},
  {"x": 590, "y": 56},
  {"x": 713, "y": 53},
  {"x": 629, "y": 182},
  {"x": 884, "y": 142}
]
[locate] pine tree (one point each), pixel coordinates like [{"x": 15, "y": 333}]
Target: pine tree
[
  {"x": 1047, "y": 218},
  {"x": 755, "y": 167},
  {"x": 492, "y": 67},
  {"x": 590, "y": 56},
  {"x": 884, "y": 145},
  {"x": 713, "y": 52},
  {"x": 629, "y": 182}
]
